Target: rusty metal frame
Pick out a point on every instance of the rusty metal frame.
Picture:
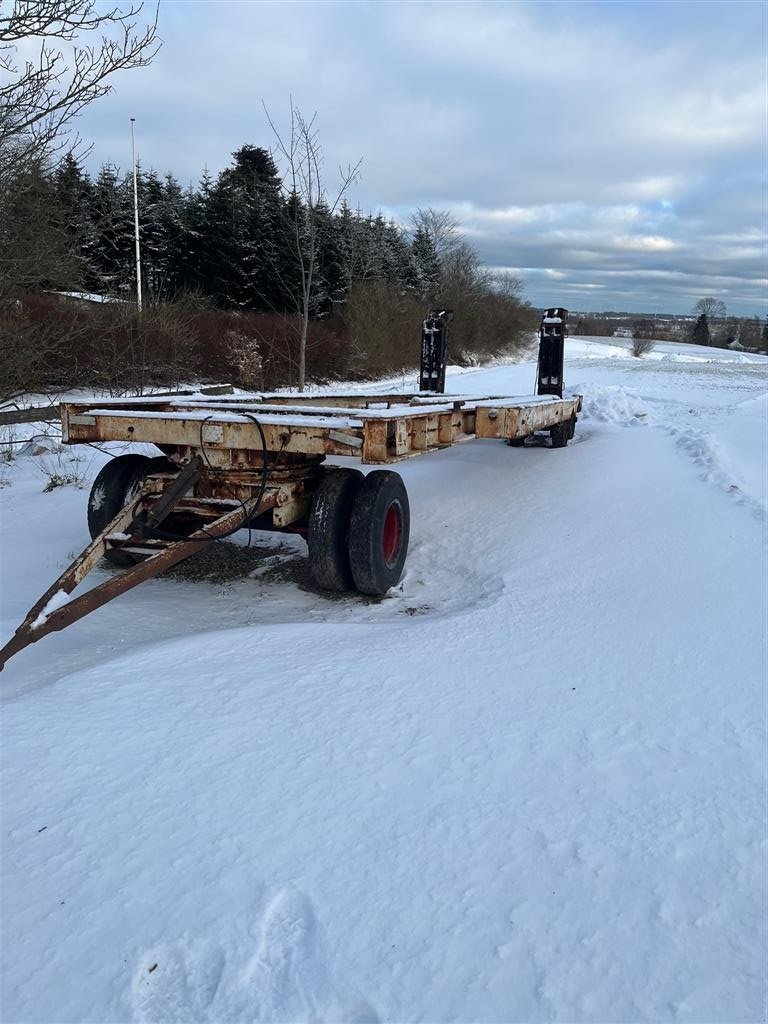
(222, 453)
(38, 623)
(380, 433)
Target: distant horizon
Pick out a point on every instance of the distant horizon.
(659, 314)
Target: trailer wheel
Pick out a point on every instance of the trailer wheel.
(378, 533)
(113, 488)
(560, 434)
(328, 532)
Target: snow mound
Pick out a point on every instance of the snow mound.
(588, 347)
(612, 404)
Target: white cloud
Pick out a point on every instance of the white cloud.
(646, 243)
(601, 135)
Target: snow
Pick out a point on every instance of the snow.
(59, 599)
(89, 296)
(305, 414)
(528, 785)
(98, 496)
(223, 416)
(611, 404)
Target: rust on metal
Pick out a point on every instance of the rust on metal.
(377, 429)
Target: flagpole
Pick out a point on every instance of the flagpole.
(136, 216)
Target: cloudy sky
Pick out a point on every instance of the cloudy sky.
(612, 154)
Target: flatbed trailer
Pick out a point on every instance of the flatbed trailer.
(258, 461)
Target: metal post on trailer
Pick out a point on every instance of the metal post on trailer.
(549, 371)
(434, 350)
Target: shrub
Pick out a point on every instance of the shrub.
(641, 346)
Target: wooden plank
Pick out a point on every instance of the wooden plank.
(424, 432)
(445, 426)
(402, 436)
(37, 414)
(375, 441)
(231, 439)
(167, 431)
(524, 419)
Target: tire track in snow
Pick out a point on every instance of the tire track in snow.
(621, 406)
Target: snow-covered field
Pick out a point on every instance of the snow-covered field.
(530, 785)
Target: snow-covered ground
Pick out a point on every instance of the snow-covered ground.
(529, 785)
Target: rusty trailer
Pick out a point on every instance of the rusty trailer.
(257, 461)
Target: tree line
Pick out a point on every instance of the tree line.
(709, 324)
(227, 240)
(230, 244)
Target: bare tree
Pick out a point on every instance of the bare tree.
(715, 311)
(40, 97)
(442, 227)
(711, 306)
(308, 202)
(505, 283)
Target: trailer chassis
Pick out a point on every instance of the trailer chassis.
(258, 461)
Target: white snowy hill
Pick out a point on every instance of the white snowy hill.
(528, 785)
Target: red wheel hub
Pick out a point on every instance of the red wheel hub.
(392, 534)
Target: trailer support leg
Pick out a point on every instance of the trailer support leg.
(549, 373)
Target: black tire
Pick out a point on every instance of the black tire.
(560, 434)
(378, 533)
(517, 442)
(328, 533)
(113, 488)
(572, 427)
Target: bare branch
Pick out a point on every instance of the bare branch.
(39, 100)
(303, 159)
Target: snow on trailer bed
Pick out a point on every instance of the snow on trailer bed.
(377, 428)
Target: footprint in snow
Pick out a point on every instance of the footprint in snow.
(286, 978)
(177, 983)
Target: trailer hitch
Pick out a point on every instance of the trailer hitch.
(173, 493)
(53, 611)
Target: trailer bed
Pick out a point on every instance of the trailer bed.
(378, 429)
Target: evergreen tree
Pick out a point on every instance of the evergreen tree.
(700, 334)
(220, 257)
(192, 251)
(424, 271)
(329, 285)
(243, 251)
(171, 222)
(112, 258)
(154, 244)
(73, 191)
(396, 256)
(35, 246)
